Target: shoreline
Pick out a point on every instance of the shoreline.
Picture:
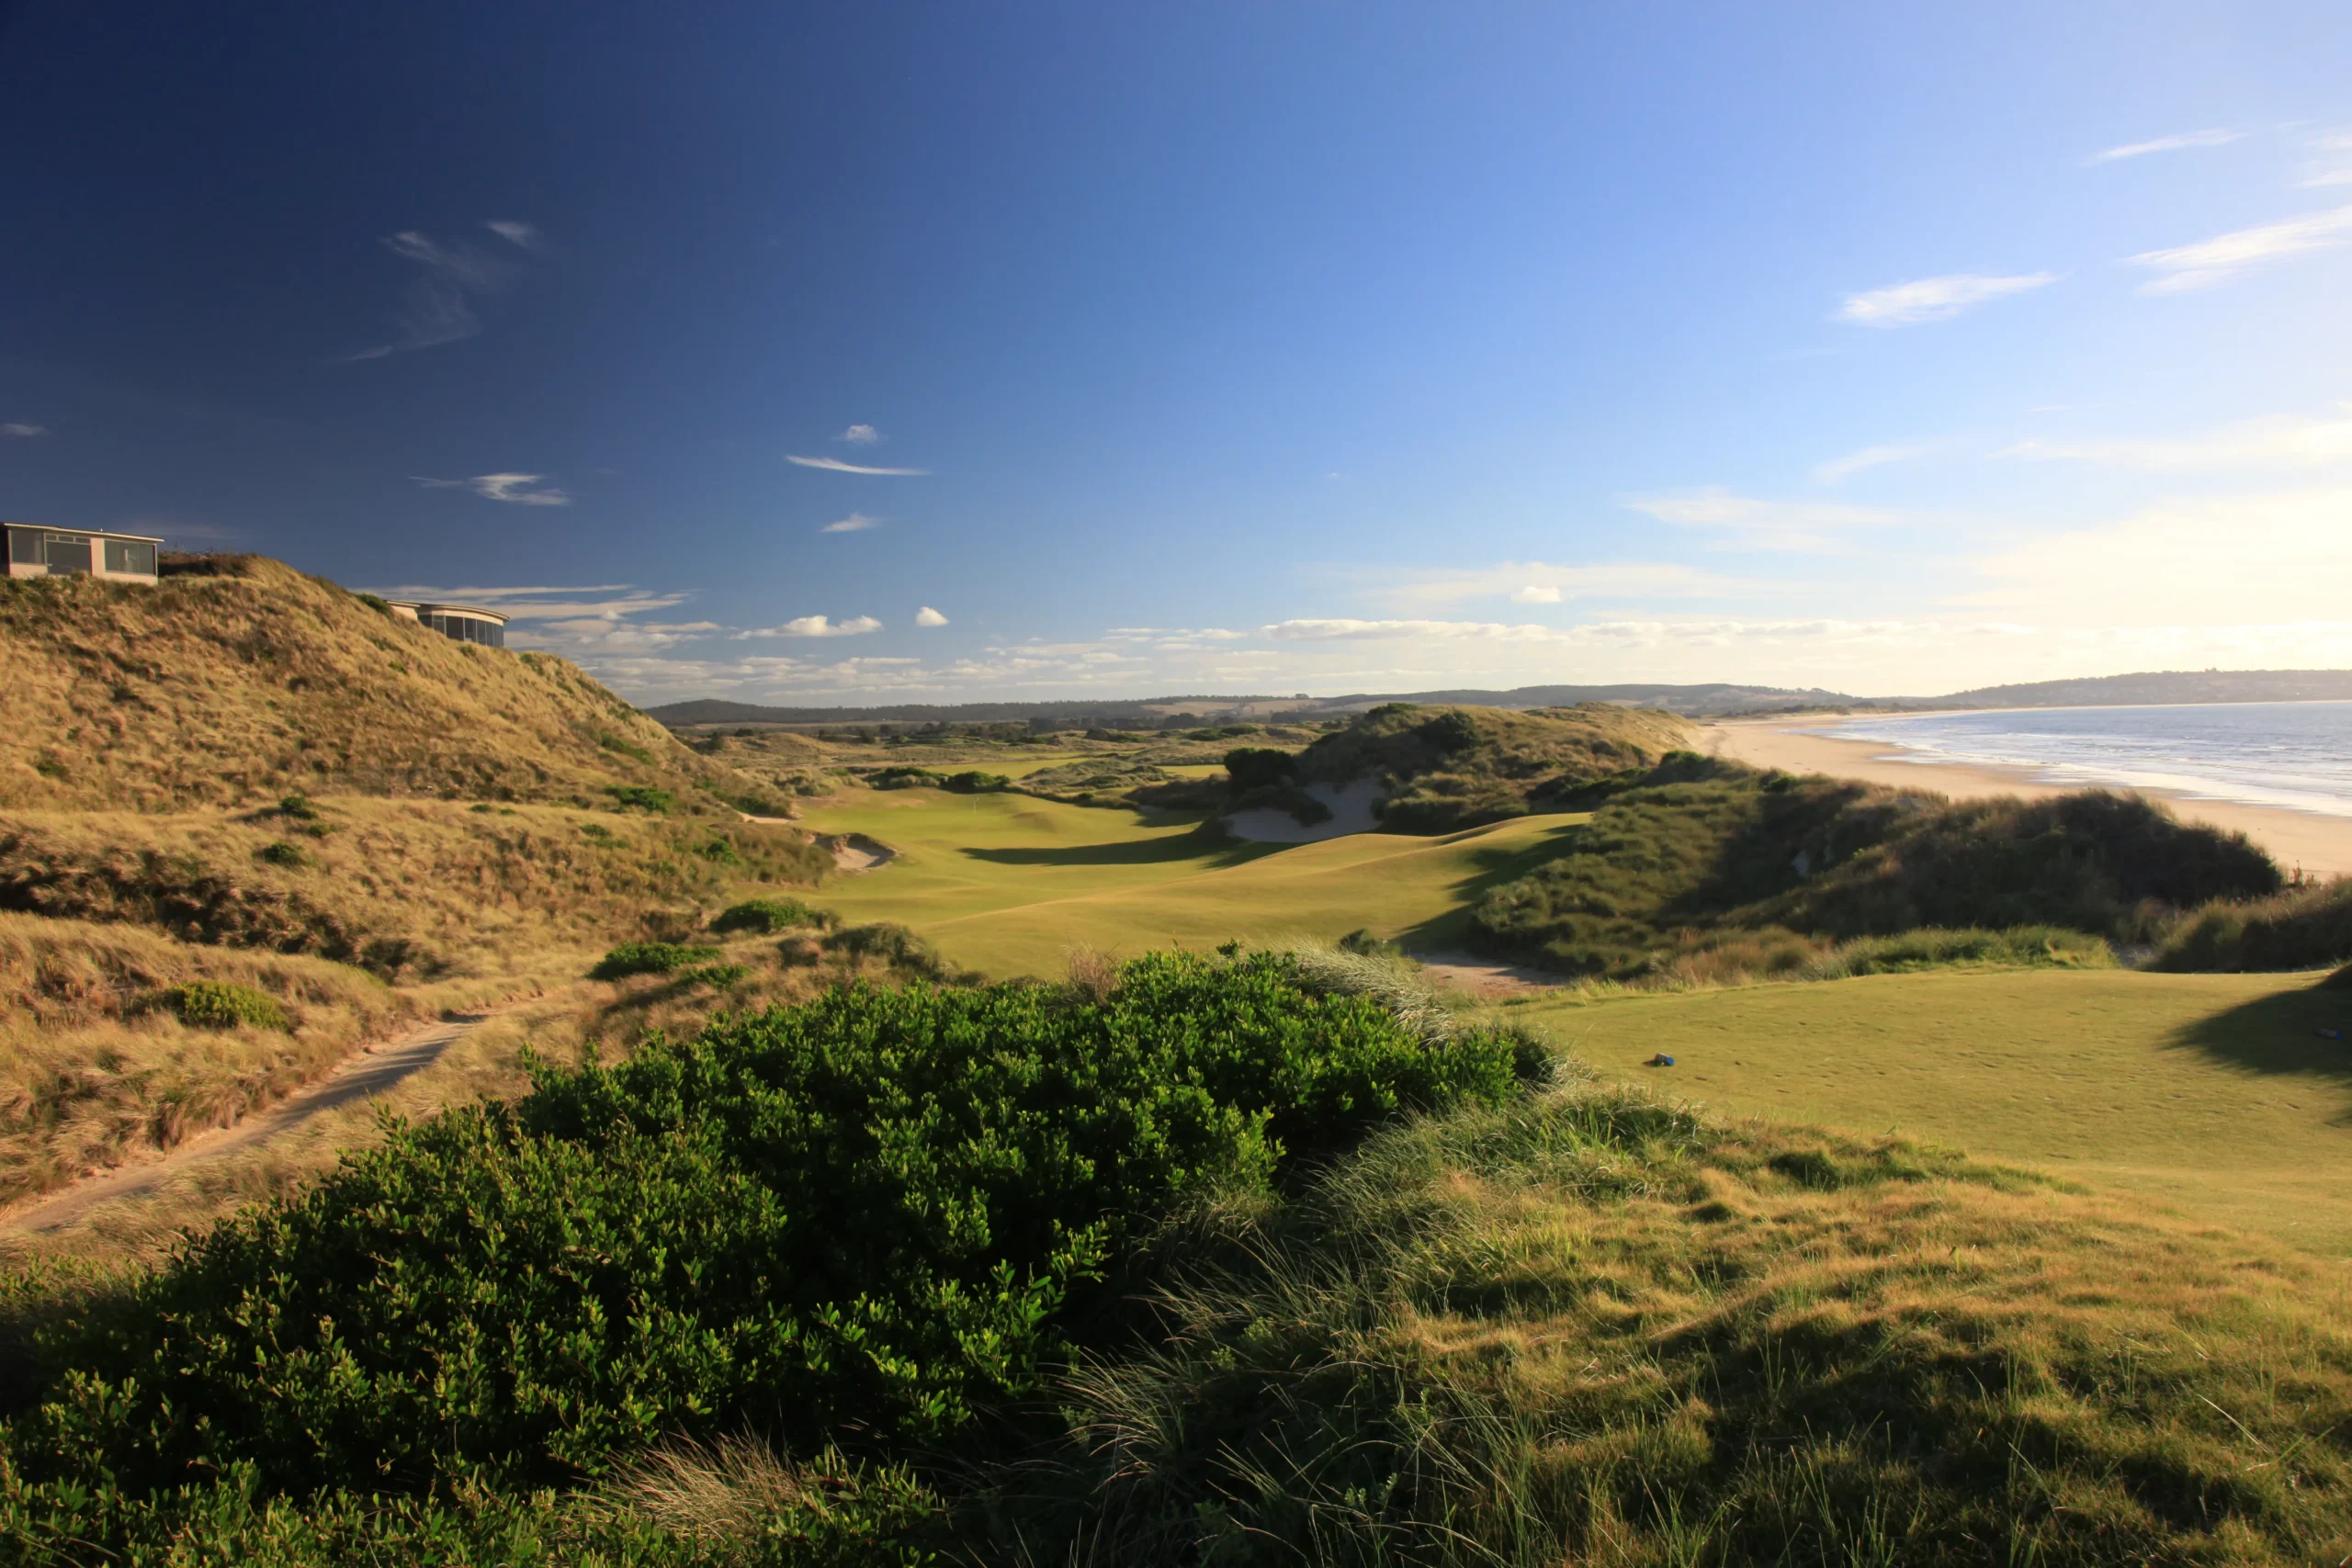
(2316, 843)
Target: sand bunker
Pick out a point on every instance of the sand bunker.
(1350, 806)
(855, 852)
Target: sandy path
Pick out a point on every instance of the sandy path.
(1485, 976)
(2321, 845)
(367, 1072)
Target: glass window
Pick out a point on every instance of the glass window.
(25, 546)
(69, 553)
(130, 555)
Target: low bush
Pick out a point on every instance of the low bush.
(868, 1216)
(223, 1004)
(648, 958)
(975, 783)
(291, 856)
(2302, 928)
(720, 976)
(893, 944)
(642, 797)
(1929, 948)
(765, 917)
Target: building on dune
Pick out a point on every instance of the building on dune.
(462, 622)
(35, 551)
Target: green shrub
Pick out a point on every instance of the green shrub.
(720, 976)
(648, 958)
(300, 807)
(597, 834)
(765, 917)
(374, 603)
(1259, 767)
(975, 783)
(291, 856)
(903, 778)
(892, 943)
(1929, 948)
(873, 1211)
(621, 748)
(642, 797)
(718, 852)
(221, 1004)
(2302, 928)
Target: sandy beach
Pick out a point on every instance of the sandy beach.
(2321, 845)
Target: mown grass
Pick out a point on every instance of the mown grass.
(2215, 1095)
(1007, 884)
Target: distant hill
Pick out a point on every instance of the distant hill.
(1708, 699)
(1700, 701)
(2158, 687)
(251, 681)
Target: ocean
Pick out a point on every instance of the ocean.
(2292, 754)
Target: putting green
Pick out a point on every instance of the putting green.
(1008, 884)
(2216, 1094)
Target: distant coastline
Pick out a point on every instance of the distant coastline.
(2319, 843)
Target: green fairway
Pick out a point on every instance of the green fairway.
(2214, 1093)
(1007, 884)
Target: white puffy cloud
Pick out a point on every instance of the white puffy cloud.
(860, 435)
(927, 616)
(818, 625)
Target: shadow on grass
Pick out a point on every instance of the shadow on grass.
(2280, 1033)
(1497, 865)
(1212, 856)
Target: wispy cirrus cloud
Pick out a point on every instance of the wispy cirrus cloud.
(513, 489)
(2222, 257)
(927, 616)
(24, 431)
(2215, 136)
(855, 522)
(2275, 440)
(836, 466)
(2333, 164)
(1935, 299)
(1544, 582)
(1751, 523)
(452, 275)
(1837, 471)
(816, 626)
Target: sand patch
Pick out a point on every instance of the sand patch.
(855, 852)
(1350, 806)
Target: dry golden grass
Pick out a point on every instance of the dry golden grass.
(92, 1069)
(570, 1021)
(407, 888)
(230, 688)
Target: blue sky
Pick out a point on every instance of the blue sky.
(921, 352)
